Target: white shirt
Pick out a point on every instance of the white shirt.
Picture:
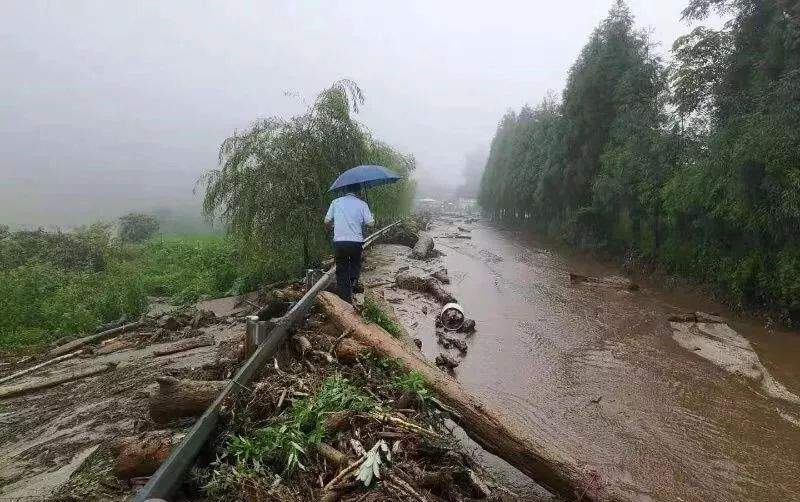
(349, 215)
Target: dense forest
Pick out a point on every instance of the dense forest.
(693, 164)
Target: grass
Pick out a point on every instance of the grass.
(413, 382)
(45, 296)
(283, 445)
(373, 313)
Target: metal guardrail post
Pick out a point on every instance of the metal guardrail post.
(170, 474)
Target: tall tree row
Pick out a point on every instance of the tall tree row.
(695, 164)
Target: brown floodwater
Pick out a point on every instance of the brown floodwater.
(597, 372)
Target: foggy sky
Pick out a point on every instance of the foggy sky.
(111, 106)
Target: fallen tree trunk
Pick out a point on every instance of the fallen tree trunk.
(541, 460)
(191, 343)
(80, 342)
(40, 365)
(611, 282)
(430, 285)
(176, 398)
(141, 455)
(423, 247)
(52, 382)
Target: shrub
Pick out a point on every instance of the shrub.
(137, 227)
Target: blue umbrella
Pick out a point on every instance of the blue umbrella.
(366, 176)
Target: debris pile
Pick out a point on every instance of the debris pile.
(326, 421)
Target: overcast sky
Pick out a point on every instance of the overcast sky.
(108, 106)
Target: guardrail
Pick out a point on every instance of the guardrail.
(171, 472)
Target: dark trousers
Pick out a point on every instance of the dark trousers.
(348, 267)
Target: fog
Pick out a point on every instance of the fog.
(114, 106)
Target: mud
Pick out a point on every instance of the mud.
(46, 435)
(671, 414)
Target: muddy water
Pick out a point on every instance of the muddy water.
(597, 372)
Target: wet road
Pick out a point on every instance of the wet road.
(598, 372)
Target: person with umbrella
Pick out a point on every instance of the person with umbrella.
(349, 215)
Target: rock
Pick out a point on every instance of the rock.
(441, 274)
(446, 362)
(418, 343)
(423, 247)
(447, 342)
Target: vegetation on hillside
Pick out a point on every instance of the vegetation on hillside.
(695, 165)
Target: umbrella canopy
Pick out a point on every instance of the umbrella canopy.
(366, 176)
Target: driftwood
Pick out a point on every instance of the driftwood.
(697, 317)
(540, 459)
(429, 285)
(176, 398)
(52, 382)
(332, 455)
(40, 365)
(423, 247)
(610, 282)
(80, 342)
(183, 345)
(141, 455)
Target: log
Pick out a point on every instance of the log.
(423, 247)
(176, 398)
(429, 285)
(349, 350)
(141, 455)
(40, 365)
(80, 342)
(611, 282)
(183, 345)
(538, 458)
(332, 455)
(52, 382)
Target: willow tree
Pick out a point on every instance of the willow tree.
(271, 185)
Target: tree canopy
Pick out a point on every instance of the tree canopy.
(271, 186)
(695, 165)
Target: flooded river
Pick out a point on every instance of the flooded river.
(598, 372)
